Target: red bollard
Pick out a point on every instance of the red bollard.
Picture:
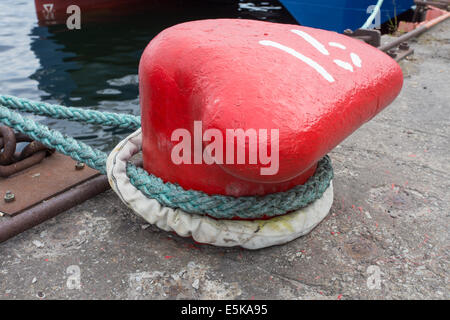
(228, 79)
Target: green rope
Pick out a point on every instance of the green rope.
(225, 207)
(77, 150)
(167, 194)
(122, 121)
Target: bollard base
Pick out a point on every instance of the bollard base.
(253, 234)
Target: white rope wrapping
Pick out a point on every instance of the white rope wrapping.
(254, 234)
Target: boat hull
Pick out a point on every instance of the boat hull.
(52, 12)
(338, 15)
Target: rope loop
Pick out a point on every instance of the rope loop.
(166, 193)
(226, 207)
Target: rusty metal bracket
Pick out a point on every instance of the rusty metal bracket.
(398, 49)
(11, 226)
(370, 36)
(35, 186)
(373, 37)
(12, 162)
(401, 52)
(40, 182)
(6, 171)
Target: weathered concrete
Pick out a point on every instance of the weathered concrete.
(391, 213)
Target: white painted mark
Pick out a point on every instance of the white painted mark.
(337, 45)
(343, 64)
(48, 7)
(321, 70)
(48, 12)
(313, 41)
(356, 59)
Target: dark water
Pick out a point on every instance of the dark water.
(96, 67)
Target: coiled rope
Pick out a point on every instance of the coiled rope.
(166, 193)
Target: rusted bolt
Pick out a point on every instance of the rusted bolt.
(79, 166)
(348, 32)
(403, 46)
(392, 53)
(9, 196)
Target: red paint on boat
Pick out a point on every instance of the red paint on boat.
(50, 12)
(315, 86)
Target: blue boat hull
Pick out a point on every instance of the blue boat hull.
(338, 15)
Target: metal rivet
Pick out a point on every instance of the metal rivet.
(403, 46)
(9, 196)
(79, 166)
(348, 32)
(392, 53)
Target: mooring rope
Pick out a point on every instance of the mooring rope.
(123, 121)
(166, 193)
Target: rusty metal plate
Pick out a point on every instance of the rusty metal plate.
(55, 174)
